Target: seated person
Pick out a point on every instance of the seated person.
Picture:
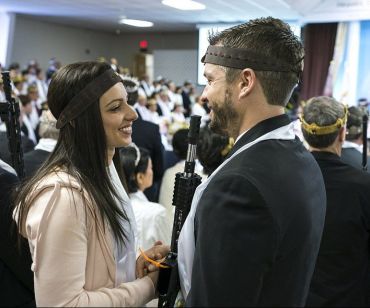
(151, 219)
(48, 139)
(16, 277)
(180, 148)
(352, 146)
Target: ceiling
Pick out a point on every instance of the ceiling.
(105, 14)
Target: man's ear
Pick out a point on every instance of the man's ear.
(342, 134)
(247, 82)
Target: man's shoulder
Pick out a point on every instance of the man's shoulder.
(7, 177)
(269, 153)
(36, 153)
(357, 175)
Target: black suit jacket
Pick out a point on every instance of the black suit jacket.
(258, 225)
(352, 157)
(16, 277)
(33, 161)
(27, 145)
(342, 273)
(146, 134)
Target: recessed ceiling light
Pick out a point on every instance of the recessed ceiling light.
(186, 5)
(136, 23)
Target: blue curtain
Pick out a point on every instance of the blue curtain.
(363, 80)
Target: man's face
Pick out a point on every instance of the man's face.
(219, 97)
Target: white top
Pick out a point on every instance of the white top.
(34, 116)
(166, 109)
(46, 144)
(125, 255)
(7, 167)
(151, 221)
(168, 186)
(31, 132)
(186, 244)
(143, 111)
(199, 110)
(352, 145)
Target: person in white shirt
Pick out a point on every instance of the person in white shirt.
(141, 108)
(199, 110)
(165, 104)
(152, 107)
(151, 218)
(42, 87)
(180, 148)
(146, 85)
(28, 117)
(33, 95)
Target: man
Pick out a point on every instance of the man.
(141, 108)
(342, 273)
(352, 146)
(186, 91)
(49, 135)
(16, 277)
(257, 227)
(146, 135)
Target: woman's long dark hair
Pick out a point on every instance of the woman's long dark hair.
(81, 149)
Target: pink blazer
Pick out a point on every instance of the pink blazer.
(73, 260)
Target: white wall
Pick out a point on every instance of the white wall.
(177, 65)
(39, 40)
(42, 41)
(6, 35)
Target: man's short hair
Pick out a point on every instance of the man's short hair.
(180, 142)
(322, 112)
(269, 37)
(354, 123)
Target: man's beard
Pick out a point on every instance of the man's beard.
(225, 118)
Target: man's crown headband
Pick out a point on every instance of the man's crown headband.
(87, 96)
(314, 129)
(243, 58)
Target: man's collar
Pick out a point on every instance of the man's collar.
(259, 130)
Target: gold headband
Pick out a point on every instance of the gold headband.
(314, 129)
(228, 147)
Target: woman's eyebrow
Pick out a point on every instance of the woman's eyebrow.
(115, 100)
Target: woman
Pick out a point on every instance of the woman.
(151, 217)
(75, 211)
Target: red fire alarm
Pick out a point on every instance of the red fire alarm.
(143, 45)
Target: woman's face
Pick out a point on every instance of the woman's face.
(117, 116)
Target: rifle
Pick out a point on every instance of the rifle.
(185, 184)
(364, 141)
(9, 113)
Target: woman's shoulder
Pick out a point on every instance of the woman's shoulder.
(154, 208)
(61, 177)
(60, 184)
(59, 194)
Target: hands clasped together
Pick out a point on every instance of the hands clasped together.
(146, 268)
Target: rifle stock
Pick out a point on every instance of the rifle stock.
(365, 118)
(185, 186)
(9, 113)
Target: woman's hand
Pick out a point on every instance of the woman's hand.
(143, 267)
